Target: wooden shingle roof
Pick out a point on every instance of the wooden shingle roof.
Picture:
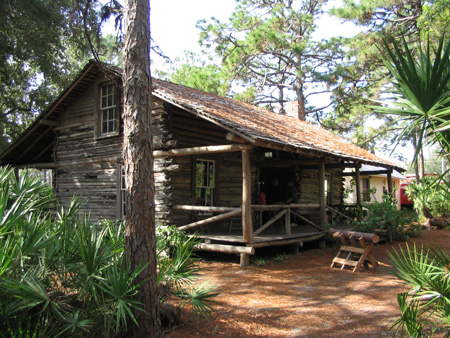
(264, 127)
(256, 125)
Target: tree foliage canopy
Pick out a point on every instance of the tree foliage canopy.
(267, 47)
(42, 44)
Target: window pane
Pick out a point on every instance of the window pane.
(204, 181)
(108, 109)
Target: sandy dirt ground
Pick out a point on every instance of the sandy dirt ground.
(301, 295)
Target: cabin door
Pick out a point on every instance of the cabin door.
(279, 185)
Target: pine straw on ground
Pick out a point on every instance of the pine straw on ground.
(301, 295)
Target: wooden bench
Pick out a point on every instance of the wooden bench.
(356, 249)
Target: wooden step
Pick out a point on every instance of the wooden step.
(352, 249)
(344, 261)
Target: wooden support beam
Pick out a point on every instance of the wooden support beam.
(312, 237)
(50, 165)
(245, 260)
(287, 221)
(332, 166)
(273, 163)
(203, 208)
(210, 220)
(270, 222)
(247, 227)
(233, 249)
(358, 192)
(322, 201)
(389, 178)
(202, 150)
(305, 220)
(367, 173)
(339, 213)
(285, 206)
(234, 138)
(355, 235)
(32, 144)
(47, 122)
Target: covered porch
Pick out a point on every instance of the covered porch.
(268, 225)
(242, 229)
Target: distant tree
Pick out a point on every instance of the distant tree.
(435, 20)
(191, 71)
(140, 241)
(414, 20)
(42, 45)
(267, 48)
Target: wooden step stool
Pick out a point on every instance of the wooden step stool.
(355, 249)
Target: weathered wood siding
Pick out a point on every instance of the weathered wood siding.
(309, 186)
(185, 130)
(86, 166)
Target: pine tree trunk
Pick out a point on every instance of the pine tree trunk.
(138, 162)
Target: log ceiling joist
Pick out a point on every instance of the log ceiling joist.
(202, 150)
(372, 172)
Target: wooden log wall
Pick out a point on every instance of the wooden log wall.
(174, 176)
(86, 167)
(308, 181)
(163, 167)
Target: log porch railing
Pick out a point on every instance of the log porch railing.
(277, 212)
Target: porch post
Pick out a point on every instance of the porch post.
(247, 228)
(389, 178)
(358, 191)
(322, 202)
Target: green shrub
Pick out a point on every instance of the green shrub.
(430, 196)
(178, 268)
(62, 276)
(59, 274)
(385, 215)
(426, 307)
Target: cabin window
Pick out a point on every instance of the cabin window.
(204, 181)
(108, 109)
(365, 189)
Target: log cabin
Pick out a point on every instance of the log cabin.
(239, 176)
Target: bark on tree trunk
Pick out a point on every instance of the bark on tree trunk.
(140, 242)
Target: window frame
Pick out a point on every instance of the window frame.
(212, 188)
(100, 109)
(365, 189)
